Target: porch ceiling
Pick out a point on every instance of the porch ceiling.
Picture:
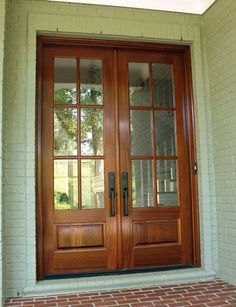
(184, 6)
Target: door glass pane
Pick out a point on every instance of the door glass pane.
(65, 184)
(141, 133)
(167, 193)
(65, 131)
(165, 133)
(163, 85)
(92, 179)
(142, 183)
(64, 81)
(91, 91)
(91, 131)
(139, 92)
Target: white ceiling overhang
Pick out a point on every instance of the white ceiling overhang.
(183, 6)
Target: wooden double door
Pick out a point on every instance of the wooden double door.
(115, 180)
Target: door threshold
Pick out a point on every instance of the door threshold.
(116, 281)
(119, 272)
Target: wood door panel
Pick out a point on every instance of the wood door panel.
(87, 222)
(175, 233)
(75, 236)
(156, 256)
(155, 232)
(82, 260)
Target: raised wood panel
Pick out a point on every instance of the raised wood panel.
(76, 236)
(152, 232)
(156, 256)
(82, 261)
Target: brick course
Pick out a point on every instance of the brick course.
(191, 294)
(2, 36)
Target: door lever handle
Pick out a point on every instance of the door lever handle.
(125, 190)
(111, 188)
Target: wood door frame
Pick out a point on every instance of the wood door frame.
(43, 41)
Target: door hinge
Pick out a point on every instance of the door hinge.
(195, 167)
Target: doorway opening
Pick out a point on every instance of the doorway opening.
(116, 187)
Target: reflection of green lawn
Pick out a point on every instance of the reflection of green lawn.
(62, 206)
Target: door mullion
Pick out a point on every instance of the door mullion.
(78, 137)
(118, 162)
(153, 138)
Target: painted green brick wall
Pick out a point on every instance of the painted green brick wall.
(219, 38)
(26, 18)
(2, 34)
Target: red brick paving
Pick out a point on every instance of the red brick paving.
(198, 294)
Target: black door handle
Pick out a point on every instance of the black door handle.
(111, 188)
(125, 189)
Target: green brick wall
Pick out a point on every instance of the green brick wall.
(219, 41)
(2, 34)
(26, 18)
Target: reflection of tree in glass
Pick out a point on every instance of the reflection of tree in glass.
(65, 135)
(92, 120)
(92, 138)
(92, 131)
(64, 95)
(65, 122)
(91, 95)
(65, 125)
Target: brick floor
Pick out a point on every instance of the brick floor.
(208, 293)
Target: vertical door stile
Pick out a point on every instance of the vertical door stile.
(126, 239)
(47, 172)
(184, 173)
(117, 162)
(78, 135)
(153, 135)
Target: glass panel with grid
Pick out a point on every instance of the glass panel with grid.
(153, 135)
(78, 134)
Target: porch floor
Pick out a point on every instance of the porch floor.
(198, 294)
